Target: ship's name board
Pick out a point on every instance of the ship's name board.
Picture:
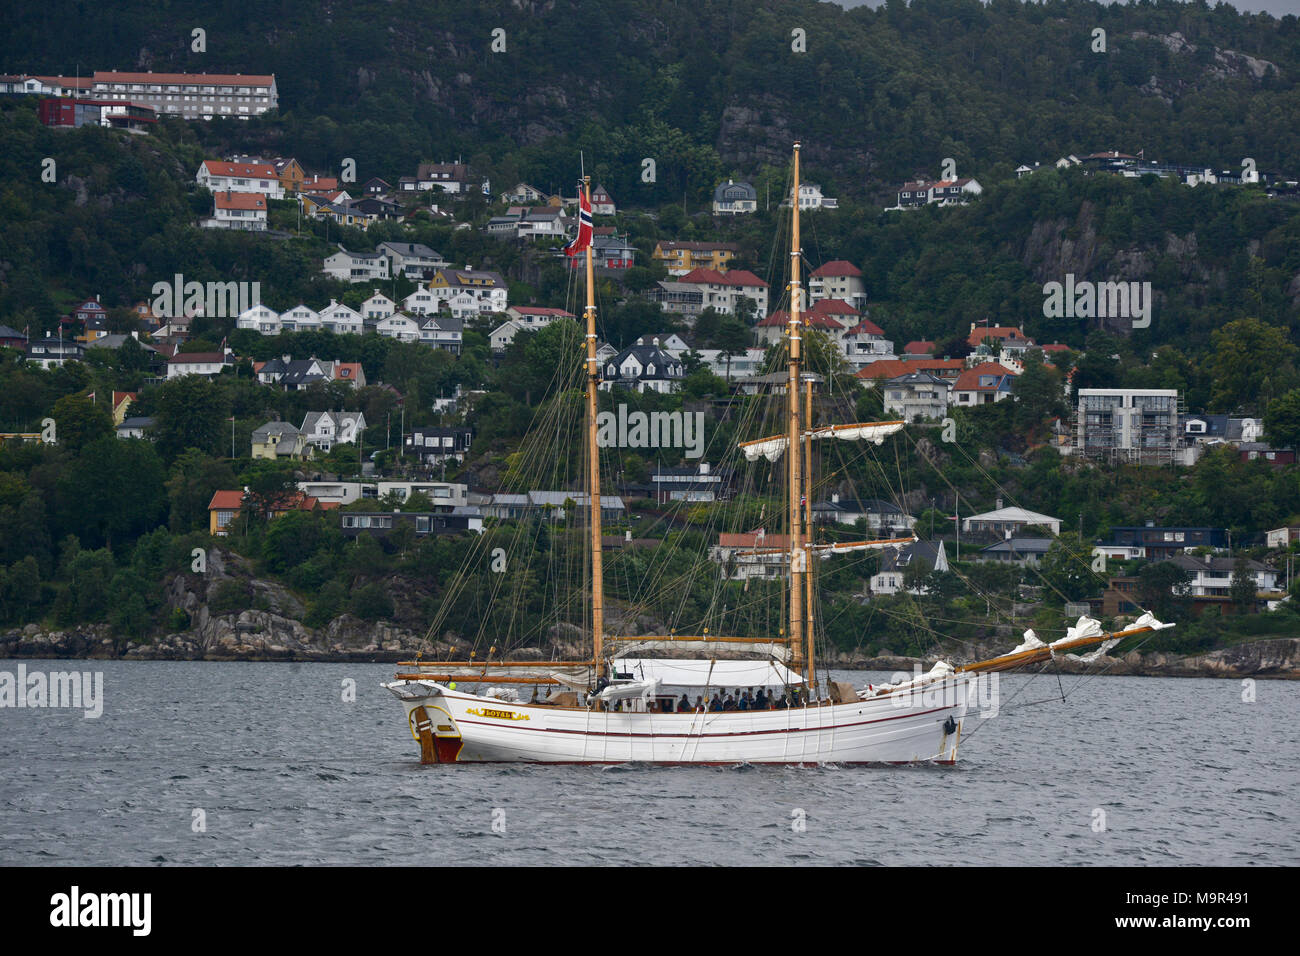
(498, 714)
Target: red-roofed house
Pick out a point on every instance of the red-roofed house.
(838, 279)
(753, 554)
(240, 178)
(350, 372)
(920, 348)
(233, 210)
(885, 369)
(865, 343)
(983, 385)
(1001, 334)
(225, 505)
(722, 291)
(770, 329)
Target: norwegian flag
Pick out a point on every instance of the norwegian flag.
(582, 240)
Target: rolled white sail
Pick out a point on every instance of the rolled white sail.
(863, 431)
(772, 448)
(769, 448)
(845, 547)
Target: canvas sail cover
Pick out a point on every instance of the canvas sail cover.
(704, 646)
(701, 673)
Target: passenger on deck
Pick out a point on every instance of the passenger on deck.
(715, 704)
(743, 702)
(729, 703)
(699, 705)
(684, 705)
(760, 700)
(781, 703)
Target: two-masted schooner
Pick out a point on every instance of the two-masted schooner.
(620, 705)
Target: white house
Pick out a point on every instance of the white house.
(838, 279)
(723, 291)
(734, 199)
(1005, 522)
(300, 319)
(198, 363)
(414, 260)
(421, 302)
(260, 319)
(645, 368)
(378, 306)
(356, 266)
(240, 178)
(324, 429)
(917, 395)
(341, 320)
(231, 210)
(443, 333)
(400, 327)
(1211, 576)
(810, 197)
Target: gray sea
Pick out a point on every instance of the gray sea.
(239, 764)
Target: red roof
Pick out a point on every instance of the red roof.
(892, 368)
(834, 307)
(216, 167)
(978, 336)
(969, 380)
(226, 501)
(837, 267)
(781, 318)
(868, 327)
(350, 371)
(742, 277)
(231, 200)
(320, 184)
(752, 539)
(198, 79)
(736, 277)
(919, 347)
(1054, 347)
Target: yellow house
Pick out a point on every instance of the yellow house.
(684, 257)
(280, 440)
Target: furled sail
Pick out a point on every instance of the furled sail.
(772, 448)
(710, 647)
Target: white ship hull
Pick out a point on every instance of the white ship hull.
(916, 727)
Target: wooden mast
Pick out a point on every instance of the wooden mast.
(793, 469)
(808, 526)
(593, 461)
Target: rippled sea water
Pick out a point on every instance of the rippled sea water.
(285, 772)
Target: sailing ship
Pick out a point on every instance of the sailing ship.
(621, 704)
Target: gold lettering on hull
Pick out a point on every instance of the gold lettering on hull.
(498, 714)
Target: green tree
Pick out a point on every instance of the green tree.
(79, 421)
(1242, 587)
(1252, 363)
(1282, 420)
(193, 479)
(190, 412)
